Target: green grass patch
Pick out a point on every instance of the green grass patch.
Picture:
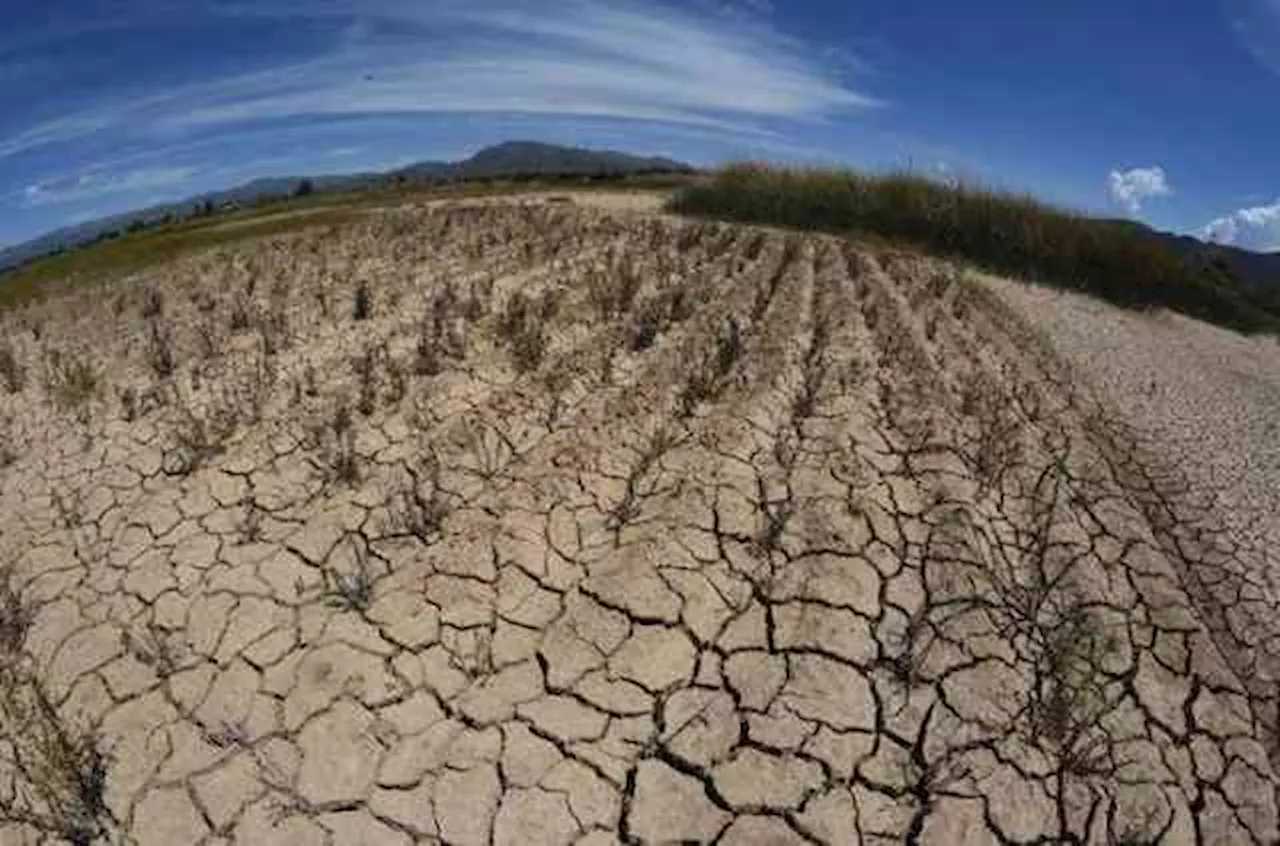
(1010, 234)
(135, 251)
(131, 253)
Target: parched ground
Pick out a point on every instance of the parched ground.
(536, 523)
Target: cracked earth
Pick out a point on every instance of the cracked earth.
(543, 524)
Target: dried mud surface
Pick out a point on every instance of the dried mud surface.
(512, 523)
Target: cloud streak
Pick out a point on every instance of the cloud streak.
(1256, 27)
(643, 62)
(1253, 228)
(1130, 188)
(95, 185)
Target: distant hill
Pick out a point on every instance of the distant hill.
(510, 159)
(1256, 274)
(529, 157)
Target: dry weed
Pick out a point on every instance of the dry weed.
(201, 433)
(362, 302)
(333, 440)
(16, 616)
(56, 771)
(522, 329)
(161, 355)
(351, 589)
(413, 512)
(13, 373)
(70, 379)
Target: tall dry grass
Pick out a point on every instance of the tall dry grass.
(1007, 233)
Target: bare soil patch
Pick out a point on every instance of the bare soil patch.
(528, 522)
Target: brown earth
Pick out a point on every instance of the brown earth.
(542, 523)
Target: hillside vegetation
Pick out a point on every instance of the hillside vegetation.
(1007, 233)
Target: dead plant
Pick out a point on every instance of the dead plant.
(638, 482)
(13, 374)
(351, 589)
(361, 301)
(814, 373)
(273, 331)
(8, 443)
(70, 379)
(711, 377)
(201, 433)
(365, 366)
(57, 770)
(160, 351)
(413, 512)
(334, 442)
(241, 313)
(16, 616)
(156, 647)
(522, 330)
(152, 303)
(250, 524)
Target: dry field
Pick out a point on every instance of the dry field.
(538, 523)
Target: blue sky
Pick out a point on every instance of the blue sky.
(1163, 111)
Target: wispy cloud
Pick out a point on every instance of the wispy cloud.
(1254, 228)
(96, 185)
(648, 62)
(1256, 27)
(1130, 188)
(62, 129)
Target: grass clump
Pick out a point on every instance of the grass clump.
(351, 588)
(13, 375)
(56, 771)
(16, 615)
(361, 302)
(201, 433)
(710, 379)
(333, 439)
(417, 514)
(161, 354)
(522, 328)
(71, 380)
(1007, 233)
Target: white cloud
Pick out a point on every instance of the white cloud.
(94, 185)
(640, 61)
(1130, 188)
(1254, 228)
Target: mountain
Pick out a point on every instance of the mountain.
(80, 234)
(509, 159)
(532, 158)
(521, 157)
(1256, 275)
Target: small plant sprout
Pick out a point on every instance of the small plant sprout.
(362, 302)
(351, 587)
(413, 512)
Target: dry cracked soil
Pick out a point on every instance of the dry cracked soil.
(537, 523)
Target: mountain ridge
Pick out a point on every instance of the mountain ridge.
(509, 158)
(1257, 273)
